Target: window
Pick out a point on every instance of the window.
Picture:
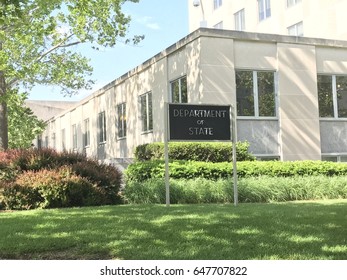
(146, 112)
(46, 142)
(292, 2)
(332, 96)
(63, 142)
(296, 29)
(53, 140)
(219, 25)
(264, 9)
(217, 4)
(74, 136)
(335, 158)
(179, 90)
(122, 120)
(86, 133)
(240, 20)
(102, 127)
(255, 93)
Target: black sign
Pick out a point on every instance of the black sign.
(199, 122)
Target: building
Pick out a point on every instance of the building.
(309, 18)
(290, 93)
(45, 110)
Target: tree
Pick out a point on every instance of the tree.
(23, 125)
(37, 39)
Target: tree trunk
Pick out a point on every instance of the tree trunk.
(3, 114)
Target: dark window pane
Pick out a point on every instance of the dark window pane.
(150, 113)
(184, 92)
(244, 93)
(325, 96)
(341, 90)
(175, 91)
(144, 112)
(266, 94)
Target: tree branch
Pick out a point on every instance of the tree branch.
(14, 81)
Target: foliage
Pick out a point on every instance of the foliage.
(197, 151)
(106, 177)
(23, 125)
(50, 189)
(253, 189)
(141, 171)
(45, 178)
(38, 39)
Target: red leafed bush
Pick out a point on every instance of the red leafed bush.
(46, 179)
(51, 189)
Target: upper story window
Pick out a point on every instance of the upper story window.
(239, 18)
(122, 120)
(102, 127)
(179, 92)
(264, 8)
(332, 96)
(296, 29)
(255, 93)
(292, 2)
(86, 133)
(146, 112)
(219, 25)
(217, 4)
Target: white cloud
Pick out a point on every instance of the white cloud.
(148, 22)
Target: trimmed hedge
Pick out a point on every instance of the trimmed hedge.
(141, 171)
(255, 189)
(196, 151)
(46, 179)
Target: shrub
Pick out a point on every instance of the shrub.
(37, 159)
(108, 178)
(140, 171)
(24, 172)
(196, 151)
(51, 189)
(253, 189)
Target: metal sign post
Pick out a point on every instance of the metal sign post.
(166, 154)
(234, 137)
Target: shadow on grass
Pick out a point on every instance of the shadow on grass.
(249, 231)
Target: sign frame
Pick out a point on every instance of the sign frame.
(199, 122)
(167, 138)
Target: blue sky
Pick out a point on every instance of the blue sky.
(163, 22)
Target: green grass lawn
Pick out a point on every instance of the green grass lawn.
(297, 230)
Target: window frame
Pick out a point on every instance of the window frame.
(121, 121)
(240, 20)
(63, 139)
(296, 29)
(146, 112)
(86, 133)
(102, 128)
(74, 136)
(217, 4)
(172, 83)
(291, 3)
(334, 96)
(218, 25)
(255, 91)
(53, 140)
(264, 9)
